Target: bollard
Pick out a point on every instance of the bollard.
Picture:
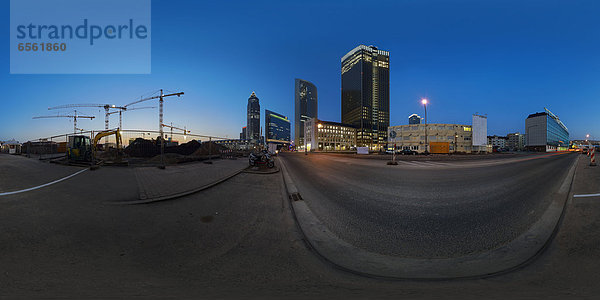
(593, 158)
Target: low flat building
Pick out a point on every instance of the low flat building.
(11, 147)
(515, 141)
(328, 136)
(441, 138)
(546, 133)
(497, 142)
(235, 144)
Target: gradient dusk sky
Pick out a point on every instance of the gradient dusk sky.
(506, 59)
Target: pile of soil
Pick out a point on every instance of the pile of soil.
(184, 149)
(143, 148)
(150, 148)
(214, 149)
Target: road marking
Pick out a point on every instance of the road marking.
(43, 185)
(586, 195)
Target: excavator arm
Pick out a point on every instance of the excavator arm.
(106, 133)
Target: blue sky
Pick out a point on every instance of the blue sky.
(506, 59)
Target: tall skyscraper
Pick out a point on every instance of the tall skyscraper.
(306, 108)
(366, 94)
(243, 134)
(277, 128)
(253, 126)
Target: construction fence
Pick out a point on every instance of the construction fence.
(145, 144)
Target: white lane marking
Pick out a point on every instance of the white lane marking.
(586, 195)
(43, 185)
(412, 163)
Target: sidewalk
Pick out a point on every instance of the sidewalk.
(573, 259)
(155, 184)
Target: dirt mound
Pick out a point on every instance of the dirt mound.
(214, 149)
(184, 149)
(150, 148)
(143, 148)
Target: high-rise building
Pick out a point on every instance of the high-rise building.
(243, 134)
(277, 128)
(253, 126)
(545, 132)
(414, 119)
(366, 94)
(305, 108)
(480, 141)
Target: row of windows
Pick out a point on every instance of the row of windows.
(432, 127)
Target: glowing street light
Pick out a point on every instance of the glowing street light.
(424, 102)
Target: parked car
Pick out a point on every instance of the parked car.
(408, 152)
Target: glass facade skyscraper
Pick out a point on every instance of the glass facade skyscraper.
(306, 102)
(545, 132)
(253, 125)
(366, 94)
(277, 128)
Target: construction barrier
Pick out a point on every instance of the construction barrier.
(593, 158)
(228, 153)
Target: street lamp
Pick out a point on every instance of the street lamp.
(424, 102)
(455, 141)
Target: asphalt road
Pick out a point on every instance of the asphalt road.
(236, 240)
(428, 209)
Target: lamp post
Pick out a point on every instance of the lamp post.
(424, 102)
(455, 141)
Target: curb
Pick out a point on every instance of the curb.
(181, 194)
(512, 256)
(273, 171)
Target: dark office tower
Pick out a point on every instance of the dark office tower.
(366, 94)
(253, 126)
(243, 134)
(306, 108)
(414, 119)
(277, 128)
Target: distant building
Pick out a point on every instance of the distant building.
(366, 94)
(328, 136)
(515, 141)
(414, 119)
(244, 133)
(277, 128)
(497, 142)
(448, 138)
(306, 107)
(233, 144)
(480, 142)
(11, 147)
(545, 132)
(253, 125)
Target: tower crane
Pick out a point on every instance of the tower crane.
(106, 107)
(122, 109)
(74, 116)
(160, 119)
(185, 131)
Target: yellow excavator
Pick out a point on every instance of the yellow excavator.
(82, 148)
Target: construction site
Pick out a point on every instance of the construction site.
(167, 145)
